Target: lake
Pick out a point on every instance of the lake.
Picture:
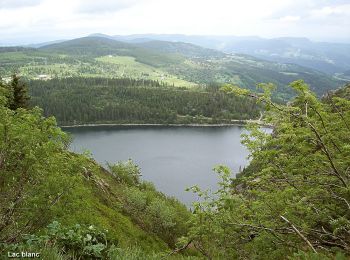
(173, 158)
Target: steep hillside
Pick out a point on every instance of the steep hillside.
(43, 187)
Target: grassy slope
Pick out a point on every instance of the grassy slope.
(126, 66)
(98, 199)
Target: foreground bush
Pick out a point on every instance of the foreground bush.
(294, 198)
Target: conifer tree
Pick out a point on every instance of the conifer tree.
(20, 96)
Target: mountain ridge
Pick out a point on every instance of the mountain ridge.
(327, 57)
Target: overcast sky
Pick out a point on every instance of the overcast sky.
(29, 21)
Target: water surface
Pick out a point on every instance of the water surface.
(173, 158)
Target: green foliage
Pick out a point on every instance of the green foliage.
(35, 173)
(116, 253)
(293, 199)
(78, 240)
(5, 94)
(14, 94)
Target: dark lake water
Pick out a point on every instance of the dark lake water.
(173, 158)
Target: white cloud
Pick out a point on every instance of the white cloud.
(289, 18)
(332, 10)
(105, 6)
(7, 4)
(38, 20)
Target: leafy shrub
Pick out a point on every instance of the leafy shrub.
(126, 172)
(162, 215)
(152, 210)
(79, 240)
(136, 200)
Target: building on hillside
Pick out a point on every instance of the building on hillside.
(43, 77)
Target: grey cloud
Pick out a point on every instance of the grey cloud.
(104, 6)
(12, 4)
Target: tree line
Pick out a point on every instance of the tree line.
(124, 100)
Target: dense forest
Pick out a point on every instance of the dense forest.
(125, 100)
(291, 202)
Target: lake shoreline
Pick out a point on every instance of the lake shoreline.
(237, 123)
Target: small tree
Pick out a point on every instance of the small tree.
(20, 96)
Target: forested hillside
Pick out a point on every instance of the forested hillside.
(101, 100)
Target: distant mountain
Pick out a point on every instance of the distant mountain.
(92, 45)
(323, 56)
(331, 58)
(101, 46)
(41, 44)
(101, 35)
(327, 57)
(178, 63)
(105, 44)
